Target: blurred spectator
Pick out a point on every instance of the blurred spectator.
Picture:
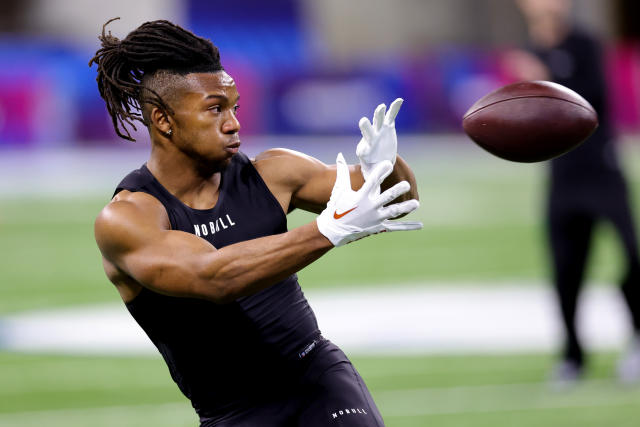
(587, 184)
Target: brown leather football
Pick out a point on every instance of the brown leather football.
(530, 121)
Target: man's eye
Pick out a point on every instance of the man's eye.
(236, 108)
(215, 108)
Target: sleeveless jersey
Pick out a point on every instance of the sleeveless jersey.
(225, 356)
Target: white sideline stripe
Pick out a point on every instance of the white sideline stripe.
(440, 318)
(403, 403)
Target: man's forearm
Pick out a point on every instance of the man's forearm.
(247, 267)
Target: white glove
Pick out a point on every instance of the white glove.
(379, 141)
(351, 215)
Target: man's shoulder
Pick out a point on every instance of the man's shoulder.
(138, 199)
(285, 165)
(285, 157)
(128, 209)
(278, 153)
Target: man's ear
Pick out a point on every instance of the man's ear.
(160, 120)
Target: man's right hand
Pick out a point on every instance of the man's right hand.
(351, 215)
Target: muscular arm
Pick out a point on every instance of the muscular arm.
(301, 181)
(132, 235)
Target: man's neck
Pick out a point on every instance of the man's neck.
(185, 178)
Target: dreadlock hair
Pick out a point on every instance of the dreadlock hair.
(127, 68)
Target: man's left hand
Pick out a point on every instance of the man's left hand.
(379, 141)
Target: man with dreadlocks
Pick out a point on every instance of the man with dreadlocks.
(196, 240)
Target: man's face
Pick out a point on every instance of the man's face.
(205, 122)
(545, 9)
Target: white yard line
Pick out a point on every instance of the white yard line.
(432, 319)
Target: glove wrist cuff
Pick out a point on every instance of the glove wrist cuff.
(326, 230)
(340, 235)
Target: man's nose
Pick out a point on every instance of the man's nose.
(231, 124)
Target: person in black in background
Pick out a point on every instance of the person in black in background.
(196, 240)
(587, 184)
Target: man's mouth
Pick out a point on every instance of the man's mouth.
(233, 147)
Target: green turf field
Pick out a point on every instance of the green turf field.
(482, 223)
(410, 391)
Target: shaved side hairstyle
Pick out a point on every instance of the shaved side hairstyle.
(139, 71)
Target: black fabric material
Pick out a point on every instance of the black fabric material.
(571, 223)
(577, 64)
(331, 393)
(226, 358)
(587, 187)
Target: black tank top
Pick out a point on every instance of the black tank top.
(225, 356)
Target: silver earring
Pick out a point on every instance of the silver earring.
(170, 132)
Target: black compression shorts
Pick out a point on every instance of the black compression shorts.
(331, 393)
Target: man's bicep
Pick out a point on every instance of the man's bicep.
(172, 263)
(314, 194)
(165, 261)
(306, 181)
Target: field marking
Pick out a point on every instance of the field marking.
(432, 319)
(395, 403)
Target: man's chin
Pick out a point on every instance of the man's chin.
(210, 166)
(226, 162)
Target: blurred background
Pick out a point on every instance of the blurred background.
(451, 326)
(294, 61)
